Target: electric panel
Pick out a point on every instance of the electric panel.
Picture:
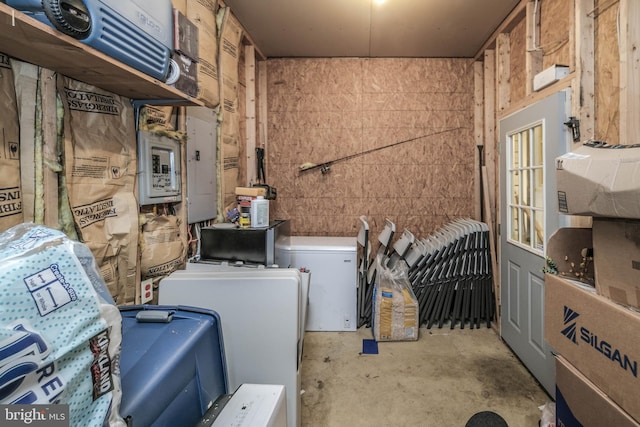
(201, 126)
(158, 169)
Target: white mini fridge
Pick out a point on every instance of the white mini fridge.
(332, 263)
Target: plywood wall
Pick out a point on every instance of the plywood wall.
(324, 109)
(555, 27)
(607, 73)
(518, 80)
(552, 40)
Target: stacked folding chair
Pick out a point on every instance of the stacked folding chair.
(384, 241)
(400, 248)
(364, 252)
(451, 275)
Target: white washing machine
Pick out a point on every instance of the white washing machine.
(253, 405)
(260, 313)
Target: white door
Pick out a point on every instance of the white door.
(530, 140)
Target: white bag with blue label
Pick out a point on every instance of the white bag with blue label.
(60, 332)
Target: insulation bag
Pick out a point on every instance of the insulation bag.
(100, 173)
(10, 185)
(161, 246)
(60, 332)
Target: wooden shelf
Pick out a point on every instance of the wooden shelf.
(29, 40)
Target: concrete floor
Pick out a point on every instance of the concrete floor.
(442, 379)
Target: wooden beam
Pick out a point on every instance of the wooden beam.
(517, 14)
(561, 84)
(49, 147)
(250, 107)
(629, 71)
(533, 57)
(573, 44)
(248, 41)
(478, 83)
(26, 80)
(503, 71)
(495, 276)
(490, 155)
(583, 88)
(184, 206)
(262, 105)
(478, 129)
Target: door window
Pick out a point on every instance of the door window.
(525, 186)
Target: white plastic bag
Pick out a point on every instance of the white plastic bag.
(395, 307)
(60, 332)
(548, 416)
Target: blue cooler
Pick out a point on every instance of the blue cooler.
(138, 33)
(172, 364)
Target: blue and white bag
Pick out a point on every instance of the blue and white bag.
(60, 331)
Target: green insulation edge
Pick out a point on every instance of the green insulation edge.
(38, 204)
(65, 215)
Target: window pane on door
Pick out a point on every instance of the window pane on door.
(515, 151)
(526, 150)
(538, 188)
(515, 188)
(538, 151)
(526, 187)
(526, 183)
(515, 222)
(538, 219)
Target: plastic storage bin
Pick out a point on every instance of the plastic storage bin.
(172, 364)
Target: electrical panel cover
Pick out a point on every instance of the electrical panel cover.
(158, 169)
(201, 124)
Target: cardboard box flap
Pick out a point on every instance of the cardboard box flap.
(599, 182)
(566, 248)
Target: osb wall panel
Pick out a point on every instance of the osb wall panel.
(320, 110)
(555, 24)
(607, 75)
(517, 62)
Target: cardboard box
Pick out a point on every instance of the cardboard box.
(566, 248)
(244, 201)
(579, 403)
(599, 182)
(597, 336)
(180, 5)
(185, 35)
(188, 80)
(245, 195)
(616, 253)
(251, 191)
